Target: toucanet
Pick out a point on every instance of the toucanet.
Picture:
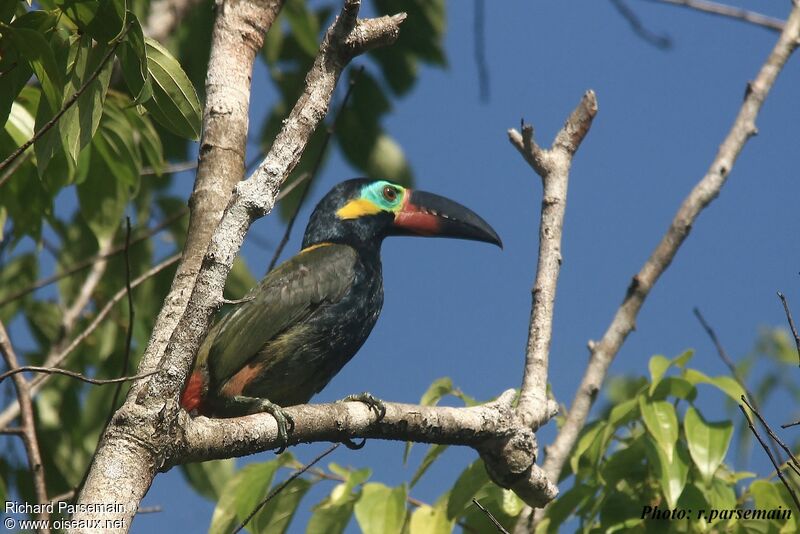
(304, 321)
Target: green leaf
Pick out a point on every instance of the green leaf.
(434, 451)
(16, 73)
(430, 520)
(243, 492)
(113, 174)
(671, 471)
(568, 502)
(133, 59)
(273, 42)
(708, 442)
(623, 413)
(438, 389)
(80, 121)
(726, 384)
(674, 387)
(41, 59)
(16, 273)
(149, 140)
(174, 104)
(721, 495)
(304, 25)
(657, 365)
(469, 482)
(381, 509)
(20, 124)
(209, 478)
(587, 449)
(277, 514)
(627, 463)
(104, 19)
(661, 422)
(332, 515)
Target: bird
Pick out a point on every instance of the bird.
(308, 317)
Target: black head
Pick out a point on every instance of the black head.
(361, 212)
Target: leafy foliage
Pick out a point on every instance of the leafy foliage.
(656, 450)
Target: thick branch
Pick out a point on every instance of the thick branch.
(604, 351)
(479, 427)
(553, 166)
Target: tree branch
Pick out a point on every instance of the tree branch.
(553, 166)
(772, 459)
(72, 374)
(604, 351)
(789, 318)
(480, 427)
(28, 426)
(724, 10)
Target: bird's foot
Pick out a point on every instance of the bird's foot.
(374, 403)
(282, 418)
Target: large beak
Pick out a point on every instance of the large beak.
(426, 214)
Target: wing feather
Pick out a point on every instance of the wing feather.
(286, 296)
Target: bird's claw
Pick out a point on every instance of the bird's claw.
(373, 402)
(283, 419)
(352, 445)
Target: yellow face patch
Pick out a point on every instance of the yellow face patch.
(358, 208)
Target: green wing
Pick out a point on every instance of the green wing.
(285, 297)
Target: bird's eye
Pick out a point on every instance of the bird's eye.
(390, 193)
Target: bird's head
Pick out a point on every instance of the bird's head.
(362, 212)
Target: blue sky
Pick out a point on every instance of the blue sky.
(461, 309)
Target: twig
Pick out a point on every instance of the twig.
(494, 521)
(724, 10)
(37, 383)
(73, 374)
(603, 352)
(131, 315)
(659, 41)
(94, 260)
(285, 483)
(791, 322)
(28, 427)
(553, 166)
(149, 510)
(723, 354)
(66, 105)
(793, 463)
(312, 174)
(771, 458)
(170, 168)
